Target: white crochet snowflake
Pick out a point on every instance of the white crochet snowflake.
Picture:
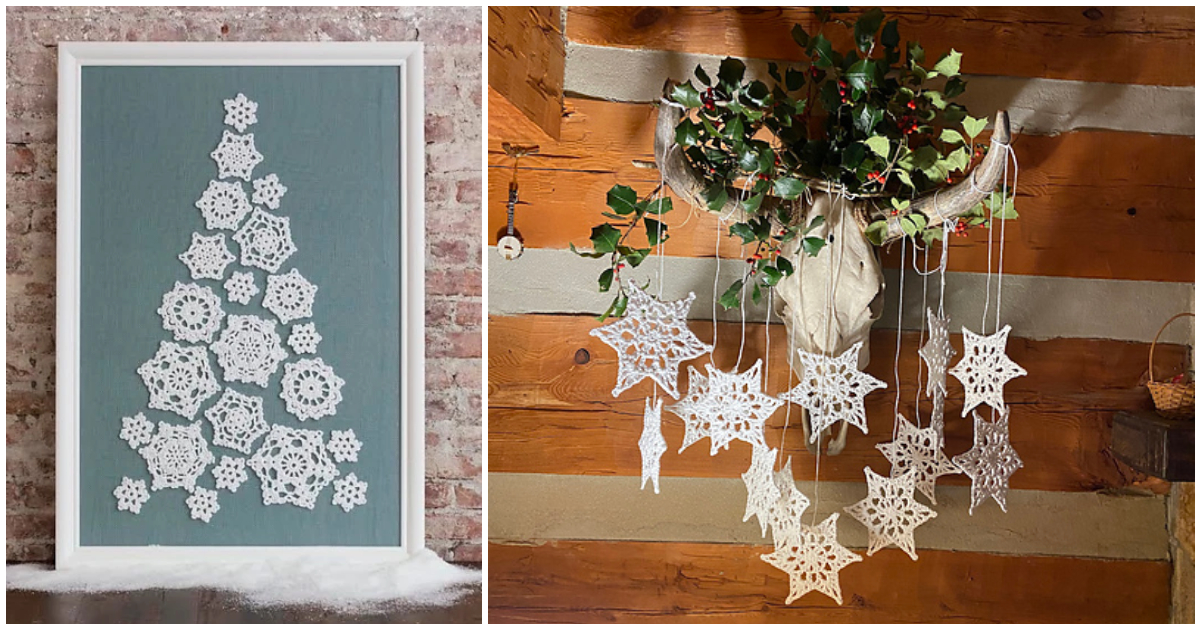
(176, 456)
(304, 338)
(785, 516)
(265, 240)
(651, 340)
(919, 450)
(223, 205)
(651, 444)
(290, 296)
(249, 349)
(344, 446)
(349, 491)
(724, 407)
(991, 461)
(230, 474)
(310, 389)
(240, 287)
(202, 503)
(292, 466)
(937, 353)
(236, 155)
(832, 389)
(136, 430)
(812, 558)
(179, 378)
(191, 312)
(268, 191)
(985, 369)
(762, 493)
(131, 495)
(237, 420)
(207, 256)
(890, 512)
(240, 112)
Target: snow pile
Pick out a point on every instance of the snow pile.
(421, 581)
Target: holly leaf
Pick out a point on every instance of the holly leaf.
(948, 66)
(729, 74)
(879, 145)
(771, 275)
(853, 156)
(800, 36)
(751, 204)
(655, 230)
(958, 159)
(876, 232)
(717, 196)
(866, 118)
(866, 27)
(605, 280)
(784, 265)
(823, 51)
(950, 136)
(889, 36)
(954, 87)
(973, 126)
(732, 298)
(815, 223)
(789, 187)
(605, 238)
(793, 79)
(661, 205)
(734, 130)
(861, 74)
(622, 199)
(744, 231)
(702, 76)
(812, 245)
(585, 254)
(686, 95)
(687, 133)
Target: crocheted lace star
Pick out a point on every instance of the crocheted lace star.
(240, 112)
(785, 515)
(202, 503)
(349, 491)
(207, 256)
(991, 461)
(230, 474)
(890, 512)
(131, 495)
(223, 205)
(937, 353)
(236, 155)
(137, 430)
(310, 389)
(651, 444)
(343, 446)
(266, 241)
(249, 350)
(290, 296)
(268, 191)
(724, 407)
(762, 495)
(240, 287)
(919, 450)
(176, 456)
(304, 338)
(292, 466)
(179, 378)
(191, 312)
(812, 559)
(832, 390)
(237, 420)
(651, 341)
(985, 369)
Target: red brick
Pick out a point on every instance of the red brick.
(438, 494)
(467, 552)
(467, 497)
(468, 191)
(29, 526)
(21, 160)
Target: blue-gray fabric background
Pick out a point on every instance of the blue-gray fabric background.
(330, 133)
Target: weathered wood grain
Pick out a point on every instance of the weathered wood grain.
(525, 72)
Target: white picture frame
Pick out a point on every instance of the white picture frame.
(73, 57)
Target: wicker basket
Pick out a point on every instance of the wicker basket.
(1172, 400)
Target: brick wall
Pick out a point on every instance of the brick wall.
(453, 197)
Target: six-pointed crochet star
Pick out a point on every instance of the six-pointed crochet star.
(832, 389)
(762, 495)
(651, 444)
(985, 369)
(991, 460)
(937, 353)
(918, 449)
(812, 558)
(890, 512)
(724, 407)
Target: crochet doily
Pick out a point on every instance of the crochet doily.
(191, 312)
(310, 389)
(349, 491)
(985, 369)
(724, 407)
(236, 155)
(991, 461)
(249, 349)
(918, 450)
(176, 456)
(202, 503)
(240, 112)
(223, 205)
(652, 339)
(762, 494)
(230, 474)
(890, 512)
(179, 378)
(207, 256)
(292, 466)
(237, 420)
(266, 241)
(832, 390)
(131, 495)
(240, 287)
(651, 444)
(304, 338)
(785, 516)
(937, 353)
(343, 446)
(812, 558)
(268, 191)
(289, 296)
(137, 430)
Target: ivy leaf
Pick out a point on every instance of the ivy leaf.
(686, 95)
(898, 203)
(823, 51)
(789, 187)
(812, 245)
(661, 205)
(605, 281)
(731, 298)
(702, 76)
(905, 179)
(622, 199)
(717, 196)
(973, 126)
(687, 133)
(889, 36)
(729, 74)
(800, 36)
(605, 238)
(654, 231)
(784, 266)
(585, 254)
(950, 136)
(948, 66)
(879, 145)
(866, 27)
(918, 219)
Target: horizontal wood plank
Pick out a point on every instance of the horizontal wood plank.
(525, 72)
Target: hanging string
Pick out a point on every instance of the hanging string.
(896, 360)
(742, 255)
(921, 337)
(787, 406)
(1006, 194)
(716, 275)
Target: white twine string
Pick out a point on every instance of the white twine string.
(921, 338)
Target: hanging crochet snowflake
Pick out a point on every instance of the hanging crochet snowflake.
(651, 340)
(268, 191)
(724, 407)
(191, 312)
(936, 416)
(179, 378)
(344, 446)
(223, 205)
(890, 512)
(832, 390)
(236, 155)
(207, 257)
(651, 444)
(137, 430)
(290, 296)
(310, 389)
(762, 494)
(240, 287)
(249, 349)
(937, 353)
(785, 517)
(131, 495)
(176, 456)
(266, 241)
(203, 503)
(812, 559)
(985, 369)
(304, 338)
(237, 420)
(292, 466)
(991, 461)
(918, 450)
(230, 474)
(349, 491)
(240, 112)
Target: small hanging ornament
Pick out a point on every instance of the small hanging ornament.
(832, 389)
(937, 353)
(651, 444)
(762, 494)
(812, 558)
(918, 450)
(985, 369)
(786, 516)
(509, 243)
(991, 461)
(724, 407)
(890, 512)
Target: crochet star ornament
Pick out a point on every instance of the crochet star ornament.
(832, 390)
(652, 340)
(890, 512)
(786, 514)
(937, 353)
(762, 494)
(725, 406)
(812, 559)
(919, 450)
(991, 461)
(985, 369)
(651, 444)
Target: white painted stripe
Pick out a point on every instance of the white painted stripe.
(1036, 106)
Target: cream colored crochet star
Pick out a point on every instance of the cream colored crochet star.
(890, 512)
(812, 558)
(985, 369)
(918, 449)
